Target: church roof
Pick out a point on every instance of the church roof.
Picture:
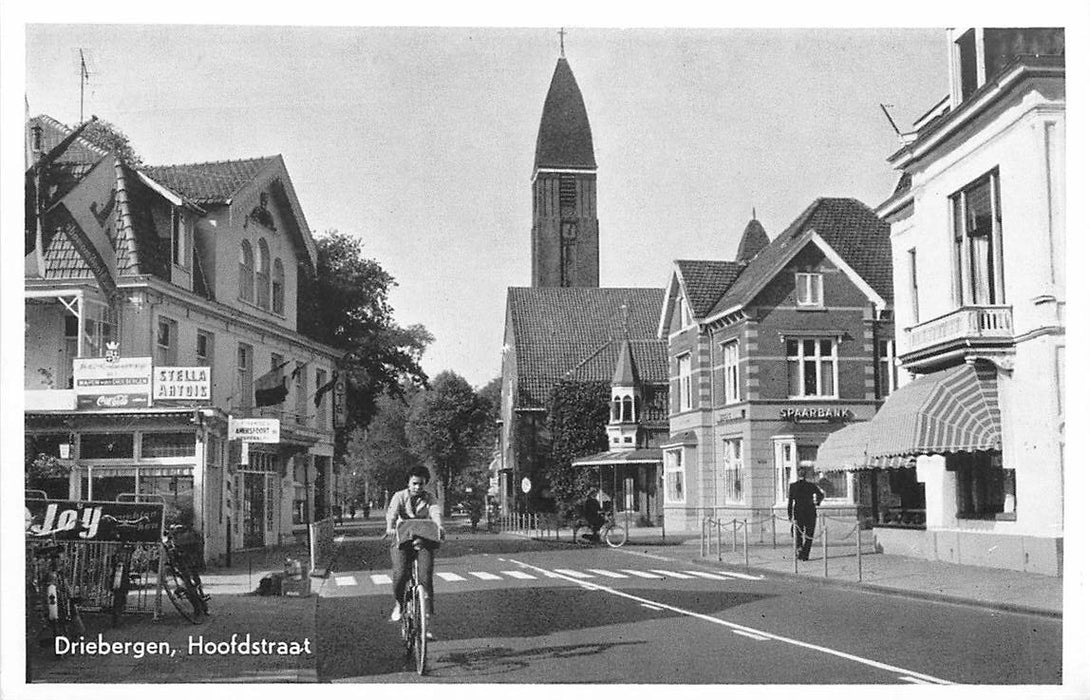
(754, 240)
(563, 138)
(576, 332)
(852, 229)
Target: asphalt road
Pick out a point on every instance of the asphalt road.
(517, 611)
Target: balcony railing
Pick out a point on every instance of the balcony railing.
(965, 325)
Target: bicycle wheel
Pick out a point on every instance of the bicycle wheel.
(183, 596)
(420, 603)
(120, 584)
(408, 629)
(615, 536)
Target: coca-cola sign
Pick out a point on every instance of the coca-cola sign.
(122, 382)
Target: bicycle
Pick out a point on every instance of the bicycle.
(609, 532)
(121, 581)
(414, 601)
(51, 593)
(182, 583)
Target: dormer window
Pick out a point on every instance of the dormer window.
(179, 238)
(809, 290)
(979, 54)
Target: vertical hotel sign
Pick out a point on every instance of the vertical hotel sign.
(112, 382)
(340, 405)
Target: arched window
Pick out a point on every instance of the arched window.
(616, 409)
(278, 287)
(626, 409)
(263, 274)
(246, 272)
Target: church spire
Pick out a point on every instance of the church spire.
(563, 137)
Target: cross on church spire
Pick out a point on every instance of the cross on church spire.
(561, 33)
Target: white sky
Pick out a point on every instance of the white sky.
(421, 141)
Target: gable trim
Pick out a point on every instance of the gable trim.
(664, 314)
(854, 276)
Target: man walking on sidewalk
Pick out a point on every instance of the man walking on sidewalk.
(803, 498)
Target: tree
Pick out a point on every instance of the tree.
(378, 458)
(577, 414)
(446, 426)
(105, 135)
(344, 302)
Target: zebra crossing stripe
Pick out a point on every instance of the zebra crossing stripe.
(704, 574)
(381, 578)
(518, 574)
(552, 574)
(607, 574)
(640, 574)
(747, 577)
(671, 574)
(573, 574)
(345, 580)
(485, 576)
(448, 576)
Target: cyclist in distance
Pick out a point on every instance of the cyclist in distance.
(410, 504)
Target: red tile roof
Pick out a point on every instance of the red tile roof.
(704, 281)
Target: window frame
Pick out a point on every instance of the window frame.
(673, 466)
(179, 238)
(244, 374)
(206, 358)
(685, 381)
(262, 275)
(813, 283)
(887, 368)
(734, 465)
(166, 355)
(246, 272)
(732, 371)
(971, 473)
(278, 287)
(966, 242)
(796, 367)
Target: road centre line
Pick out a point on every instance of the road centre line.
(758, 637)
(651, 607)
(924, 678)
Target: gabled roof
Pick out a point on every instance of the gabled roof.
(563, 137)
(576, 332)
(850, 228)
(215, 182)
(704, 281)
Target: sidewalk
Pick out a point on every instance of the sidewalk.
(998, 589)
(234, 611)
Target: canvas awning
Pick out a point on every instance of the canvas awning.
(620, 457)
(955, 410)
(848, 450)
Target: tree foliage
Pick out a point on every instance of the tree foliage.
(577, 415)
(344, 303)
(105, 135)
(377, 459)
(447, 426)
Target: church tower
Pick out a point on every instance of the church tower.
(564, 237)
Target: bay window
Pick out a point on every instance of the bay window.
(978, 250)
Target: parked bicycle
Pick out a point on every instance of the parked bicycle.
(414, 603)
(181, 582)
(51, 593)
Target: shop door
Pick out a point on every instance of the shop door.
(253, 509)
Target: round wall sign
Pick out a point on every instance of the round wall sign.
(526, 484)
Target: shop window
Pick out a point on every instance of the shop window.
(834, 485)
(177, 493)
(784, 455)
(163, 445)
(108, 488)
(733, 468)
(809, 289)
(812, 367)
(106, 446)
(985, 489)
(674, 474)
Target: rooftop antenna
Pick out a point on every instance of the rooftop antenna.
(83, 76)
(891, 122)
(561, 33)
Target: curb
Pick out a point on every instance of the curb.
(907, 593)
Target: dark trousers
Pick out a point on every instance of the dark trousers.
(804, 533)
(402, 559)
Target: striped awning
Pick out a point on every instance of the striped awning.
(618, 457)
(847, 450)
(955, 410)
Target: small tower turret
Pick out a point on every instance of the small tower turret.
(624, 409)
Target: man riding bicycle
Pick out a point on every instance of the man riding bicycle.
(413, 503)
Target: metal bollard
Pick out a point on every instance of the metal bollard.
(773, 517)
(745, 540)
(794, 534)
(859, 552)
(703, 529)
(734, 535)
(719, 539)
(825, 548)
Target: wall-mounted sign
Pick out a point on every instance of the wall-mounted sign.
(182, 384)
(526, 484)
(254, 429)
(110, 521)
(124, 382)
(816, 415)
